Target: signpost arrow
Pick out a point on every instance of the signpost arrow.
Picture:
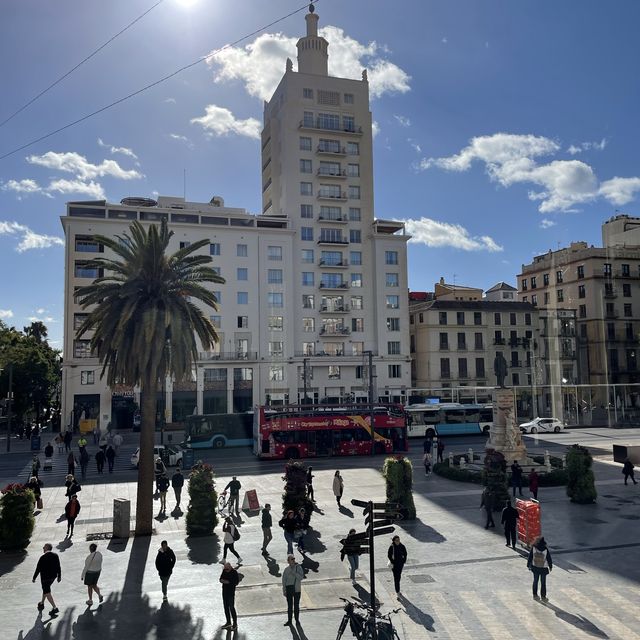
(377, 523)
(387, 506)
(359, 503)
(381, 532)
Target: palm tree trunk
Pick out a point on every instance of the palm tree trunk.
(144, 507)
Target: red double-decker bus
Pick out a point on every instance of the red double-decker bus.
(303, 431)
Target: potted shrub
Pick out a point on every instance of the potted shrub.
(16, 517)
(295, 489)
(202, 515)
(398, 474)
(494, 477)
(581, 487)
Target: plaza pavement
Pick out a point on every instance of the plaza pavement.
(460, 581)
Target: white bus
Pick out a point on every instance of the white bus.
(448, 419)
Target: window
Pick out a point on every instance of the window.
(276, 374)
(218, 296)
(243, 374)
(497, 318)
(357, 324)
(307, 119)
(275, 299)
(184, 244)
(308, 348)
(306, 233)
(356, 303)
(524, 284)
(357, 348)
(480, 368)
(356, 279)
(353, 170)
(242, 273)
(392, 280)
(307, 256)
(393, 324)
(477, 317)
(308, 301)
(442, 317)
(459, 317)
(274, 253)
(627, 311)
(84, 271)
(306, 211)
(87, 377)
(242, 322)
(580, 271)
(274, 276)
(305, 143)
(214, 249)
(626, 290)
(393, 348)
(611, 331)
(78, 320)
(355, 236)
(82, 348)
(348, 98)
(354, 214)
(560, 295)
(216, 270)
(241, 250)
(534, 300)
(306, 167)
(242, 297)
(353, 192)
(276, 323)
(308, 325)
(306, 188)
(331, 258)
(626, 271)
(583, 330)
(445, 368)
(86, 244)
(545, 279)
(559, 278)
(628, 330)
(444, 340)
(608, 289)
(355, 257)
(477, 341)
(329, 168)
(393, 302)
(216, 321)
(307, 93)
(328, 121)
(462, 341)
(353, 148)
(276, 349)
(546, 297)
(334, 372)
(331, 213)
(527, 319)
(462, 368)
(395, 371)
(513, 319)
(215, 375)
(307, 278)
(349, 123)
(515, 379)
(606, 268)
(331, 235)
(581, 291)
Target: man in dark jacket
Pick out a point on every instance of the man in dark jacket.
(229, 579)
(487, 503)
(267, 523)
(48, 568)
(234, 495)
(71, 511)
(163, 487)
(100, 458)
(397, 555)
(540, 563)
(110, 453)
(509, 519)
(165, 561)
(516, 477)
(177, 482)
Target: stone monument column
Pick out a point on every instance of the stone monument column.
(505, 434)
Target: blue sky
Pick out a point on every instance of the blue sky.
(504, 128)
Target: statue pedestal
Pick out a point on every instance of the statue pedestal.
(505, 434)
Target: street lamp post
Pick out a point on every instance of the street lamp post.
(9, 400)
(369, 354)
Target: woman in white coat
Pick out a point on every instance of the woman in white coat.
(338, 487)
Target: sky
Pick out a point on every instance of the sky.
(503, 128)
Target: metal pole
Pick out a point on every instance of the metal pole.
(9, 406)
(371, 411)
(372, 573)
(305, 361)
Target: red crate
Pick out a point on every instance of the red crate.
(529, 528)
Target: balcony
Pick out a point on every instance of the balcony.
(611, 314)
(335, 331)
(610, 294)
(228, 355)
(342, 264)
(515, 364)
(328, 240)
(333, 219)
(333, 354)
(319, 125)
(332, 195)
(445, 375)
(327, 308)
(326, 173)
(462, 347)
(500, 341)
(337, 286)
(336, 152)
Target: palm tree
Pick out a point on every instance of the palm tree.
(145, 325)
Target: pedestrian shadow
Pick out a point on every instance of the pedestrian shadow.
(345, 511)
(9, 560)
(65, 544)
(272, 566)
(227, 634)
(203, 549)
(161, 517)
(420, 531)
(317, 509)
(309, 565)
(417, 615)
(313, 543)
(580, 622)
(237, 520)
(36, 632)
(364, 596)
(177, 513)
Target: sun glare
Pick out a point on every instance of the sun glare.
(186, 3)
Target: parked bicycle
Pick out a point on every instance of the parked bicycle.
(223, 501)
(362, 624)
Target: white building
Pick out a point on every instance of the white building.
(313, 284)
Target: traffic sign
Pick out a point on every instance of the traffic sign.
(359, 503)
(358, 536)
(381, 532)
(377, 523)
(387, 506)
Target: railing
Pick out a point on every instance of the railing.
(332, 263)
(344, 308)
(228, 355)
(516, 364)
(333, 354)
(341, 151)
(326, 173)
(501, 341)
(322, 218)
(331, 195)
(335, 331)
(341, 285)
(318, 124)
(325, 240)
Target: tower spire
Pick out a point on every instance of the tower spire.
(312, 49)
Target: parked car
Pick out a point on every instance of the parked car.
(542, 425)
(171, 456)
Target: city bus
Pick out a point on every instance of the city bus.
(301, 431)
(218, 430)
(448, 419)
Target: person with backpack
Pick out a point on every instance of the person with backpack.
(177, 482)
(509, 519)
(540, 564)
(302, 522)
(35, 484)
(352, 556)
(231, 536)
(627, 470)
(163, 487)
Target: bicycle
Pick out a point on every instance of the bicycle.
(362, 626)
(223, 501)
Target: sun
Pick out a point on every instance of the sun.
(186, 3)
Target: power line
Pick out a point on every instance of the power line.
(152, 84)
(68, 73)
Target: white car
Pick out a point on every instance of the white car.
(171, 456)
(542, 425)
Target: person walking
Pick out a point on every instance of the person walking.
(163, 487)
(516, 477)
(48, 452)
(73, 486)
(267, 523)
(440, 449)
(82, 443)
(91, 573)
(71, 463)
(102, 443)
(177, 482)
(165, 562)
(534, 482)
(100, 458)
(509, 519)
(48, 568)
(35, 484)
(397, 555)
(352, 556)
(67, 438)
(292, 578)
(338, 487)
(117, 442)
(302, 522)
(427, 444)
(540, 564)
(627, 470)
(231, 536)
(159, 469)
(35, 465)
(84, 462)
(487, 503)
(426, 459)
(96, 434)
(310, 484)
(288, 523)
(71, 511)
(229, 579)
(234, 487)
(110, 454)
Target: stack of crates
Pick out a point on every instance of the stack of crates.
(529, 529)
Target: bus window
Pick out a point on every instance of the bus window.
(486, 415)
(472, 415)
(454, 416)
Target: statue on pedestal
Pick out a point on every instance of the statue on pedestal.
(500, 369)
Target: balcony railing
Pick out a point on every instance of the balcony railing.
(322, 126)
(327, 308)
(516, 364)
(322, 218)
(501, 341)
(326, 240)
(335, 331)
(327, 173)
(332, 195)
(339, 151)
(334, 285)
(333, 263)
(228, 355)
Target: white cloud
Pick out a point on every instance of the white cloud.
(414, 145)
(260, 64)
(125, 151)
(513, 159)
(44, 319)
(375, 129)
(545, 223)
(219, 121)
(170, 100)
(28, 238)
(403, 121)
(179, 138)
(41, 311)
(73, 162)
(444, 40)
(586, 146)
(5, 313)
(22, 186)
(434, 233)
(92, 189)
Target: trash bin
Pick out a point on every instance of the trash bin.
(35, 443)
(121, 518)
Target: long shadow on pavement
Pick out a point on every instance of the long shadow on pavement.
(417, 615)
(205, 550)
(580, 622)
(420, 531)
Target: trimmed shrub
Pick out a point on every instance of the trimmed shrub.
(581, 486)
(455, 473)
(16, 517)
(398, 474)
(555, 478)
(295, 496)
(494, 477)
(202, 514)
(556, 463)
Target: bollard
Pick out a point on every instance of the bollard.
(547, 460)
(564, 461)
(470, 458)
(463, 462)
(451, 459)
(121, 518)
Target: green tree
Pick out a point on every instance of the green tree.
(145, 323)
(398, 473)
(202, 516)
(581, 486)
(494, 477)
(16, 517)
